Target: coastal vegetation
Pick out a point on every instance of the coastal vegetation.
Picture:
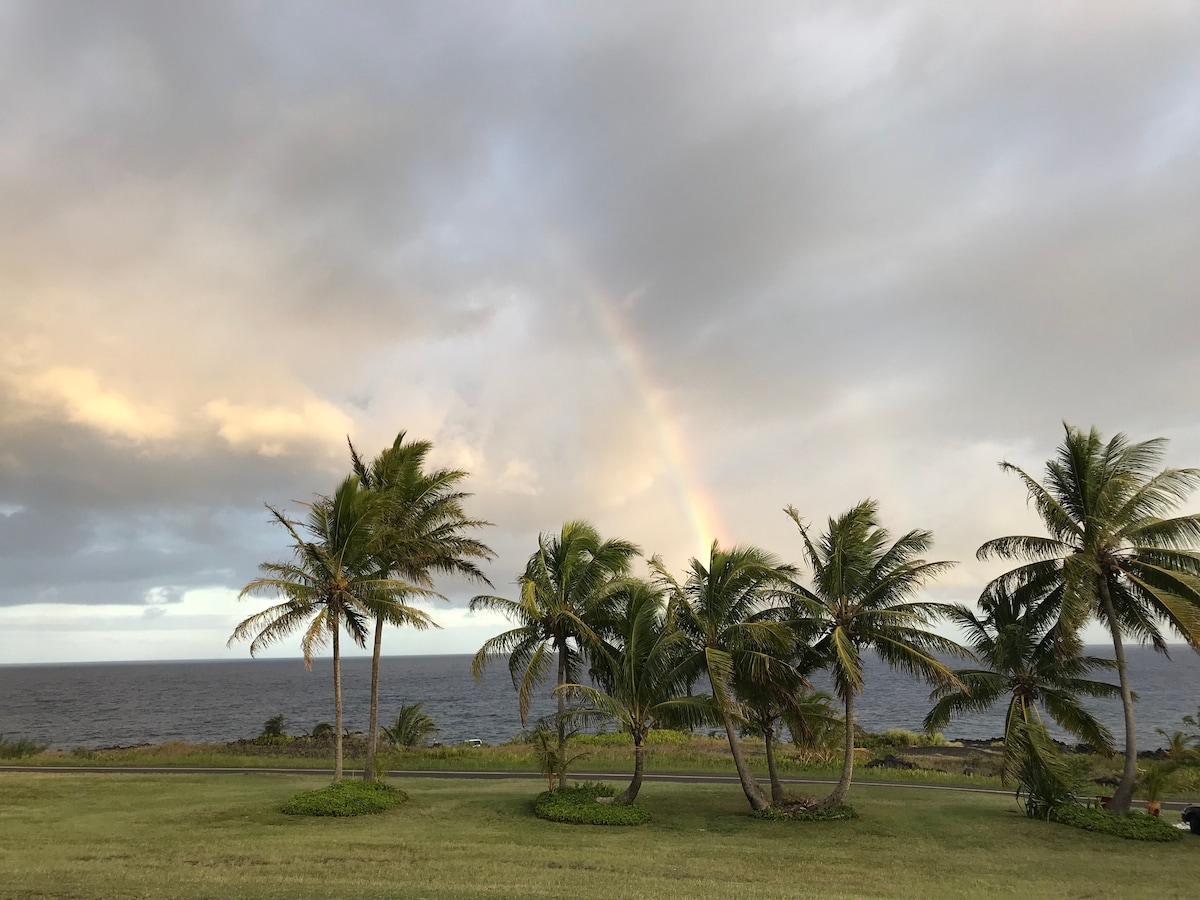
(361, 556)
(733, 644)
(1110, 554)
(1021, 644)
(590, 803)
(420, 529)
(343, 799)
(333, 582)
(564, 581)
(412, 728)
(755, 631)
(19, 747)
(734, 632)
(640, 662)
(893, 756)
(88, 836)
(862, 582)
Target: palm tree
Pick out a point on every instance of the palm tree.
(412, 726)
(1030, 660)
(1110, 552)
(1181, 747)
(423, 530)
(568, 575)
(735, 632)
(331, 584)
(861, 582)
(640, 663)
(769, 705)
(813, 723)
(322, 731)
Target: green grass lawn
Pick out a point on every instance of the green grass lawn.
(125, 836)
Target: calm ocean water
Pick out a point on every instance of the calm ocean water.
(97, 705)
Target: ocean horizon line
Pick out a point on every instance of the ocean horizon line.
(217, 659)
(1091, 648)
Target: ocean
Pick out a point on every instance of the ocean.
(119, 704)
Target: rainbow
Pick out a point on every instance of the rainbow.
(696, 504)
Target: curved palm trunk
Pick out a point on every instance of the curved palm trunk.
(839, 793)
(750, 788)
(373, 726)
(337, 707)
(1123, 795)
(1017, 711)
(561, 722)
(768, 731)
(630, 793)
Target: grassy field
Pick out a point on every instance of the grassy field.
(126, 836)
(699, 755)
(938, 765)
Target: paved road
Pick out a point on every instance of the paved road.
(675, 777)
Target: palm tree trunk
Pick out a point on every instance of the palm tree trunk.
(1017, 711)
(373, 726)
(630, 793)
(776, 785)
(838, 796)
(1123, 795)
(337, 706)
(562, 717)
(750, 788)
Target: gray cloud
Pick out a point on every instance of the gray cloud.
(623, 262)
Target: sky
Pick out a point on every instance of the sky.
(666, 267)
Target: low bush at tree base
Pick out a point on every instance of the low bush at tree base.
(806, 809)
(345, 798)
(1134, 827)
(17, 748)
(580, 805)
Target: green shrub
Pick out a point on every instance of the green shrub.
(273, 740)
(1133, 827)
(579, 805)
(15, 748)
(345, 798)
(595, 788)
(610, 739)
(660, 736)
(899, 738)
(667, 736)
(1186, 782)
(807, 811)
(1043, 776)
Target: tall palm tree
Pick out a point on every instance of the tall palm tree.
(1110, 553)
(640, 664)
(331, 585)
(736, 632)
(564, 580)
(422, 531)
(861, 582)
(1030, 660)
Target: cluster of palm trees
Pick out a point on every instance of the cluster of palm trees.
(360, 558)
(1111, 554)
(756, 628)
(740, 619)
